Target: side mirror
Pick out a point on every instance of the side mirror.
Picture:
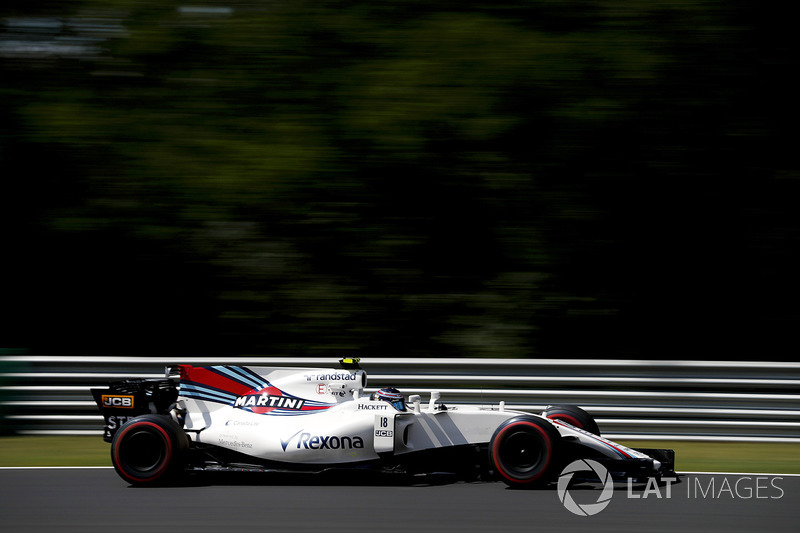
(416, 400)
(435, 395)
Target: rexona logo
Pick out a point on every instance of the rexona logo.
(308, 441)
(123, 402)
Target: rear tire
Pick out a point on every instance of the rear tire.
(149, 449)
(523, 451)
(574, 416)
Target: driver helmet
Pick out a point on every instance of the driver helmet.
(391, 395)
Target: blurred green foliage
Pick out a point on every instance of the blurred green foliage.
(526, 179)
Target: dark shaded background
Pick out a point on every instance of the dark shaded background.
(531, 179)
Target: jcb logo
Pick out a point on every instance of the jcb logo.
(124, 402)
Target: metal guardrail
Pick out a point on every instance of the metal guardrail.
(631, 399)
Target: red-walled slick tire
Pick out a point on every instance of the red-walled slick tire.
(149, 449)
(523, 451)
(574, 416)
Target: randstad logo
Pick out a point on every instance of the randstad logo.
(587, 509)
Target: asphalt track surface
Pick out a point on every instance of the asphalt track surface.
(87, 500)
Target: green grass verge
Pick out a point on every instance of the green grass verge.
(768, 457)
(779, 458)
(54, 451)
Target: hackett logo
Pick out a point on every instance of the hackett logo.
(373, 407)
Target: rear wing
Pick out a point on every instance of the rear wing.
(126, 399)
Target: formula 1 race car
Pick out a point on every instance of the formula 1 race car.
(234, 418)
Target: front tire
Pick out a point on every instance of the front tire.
(149, 449)
(523, 451)
(574, 416)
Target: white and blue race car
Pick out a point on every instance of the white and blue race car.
(260, 419)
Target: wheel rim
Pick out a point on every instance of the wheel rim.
(145, 451)
(521, 453)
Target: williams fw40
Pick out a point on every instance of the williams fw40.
(235, 418)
